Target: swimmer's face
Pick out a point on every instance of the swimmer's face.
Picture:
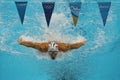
(53, 54)
(53, 50)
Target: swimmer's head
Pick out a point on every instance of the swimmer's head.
(53, 50)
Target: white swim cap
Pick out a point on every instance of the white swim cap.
(53, 47)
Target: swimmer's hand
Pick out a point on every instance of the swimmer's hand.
(83, 41)
(20, 40)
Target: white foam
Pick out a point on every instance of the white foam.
(99, 41)
(58, 22)
(60, 38)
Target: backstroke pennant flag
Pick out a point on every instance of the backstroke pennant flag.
(75, 9)
(48, 9)
(104, 9)
(21, 7)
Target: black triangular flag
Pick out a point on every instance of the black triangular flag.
(104, 9)
(21, 7)
(48, 9)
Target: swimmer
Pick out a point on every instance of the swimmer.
(52, 47)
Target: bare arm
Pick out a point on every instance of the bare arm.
(65, 47)
(40, 46)
(77, 45)
(26, 43)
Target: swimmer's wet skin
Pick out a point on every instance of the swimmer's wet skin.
(51, 47)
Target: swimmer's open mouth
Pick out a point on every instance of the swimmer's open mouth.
(53, 54)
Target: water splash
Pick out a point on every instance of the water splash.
(59, 22)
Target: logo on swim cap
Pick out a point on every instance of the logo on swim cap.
(53, 47)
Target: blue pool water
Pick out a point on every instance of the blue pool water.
(98, 59)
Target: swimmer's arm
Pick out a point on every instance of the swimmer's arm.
(65, 47)
(40, 46)
(26, 43)
(77, 45)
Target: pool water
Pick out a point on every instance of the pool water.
(98, 59)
